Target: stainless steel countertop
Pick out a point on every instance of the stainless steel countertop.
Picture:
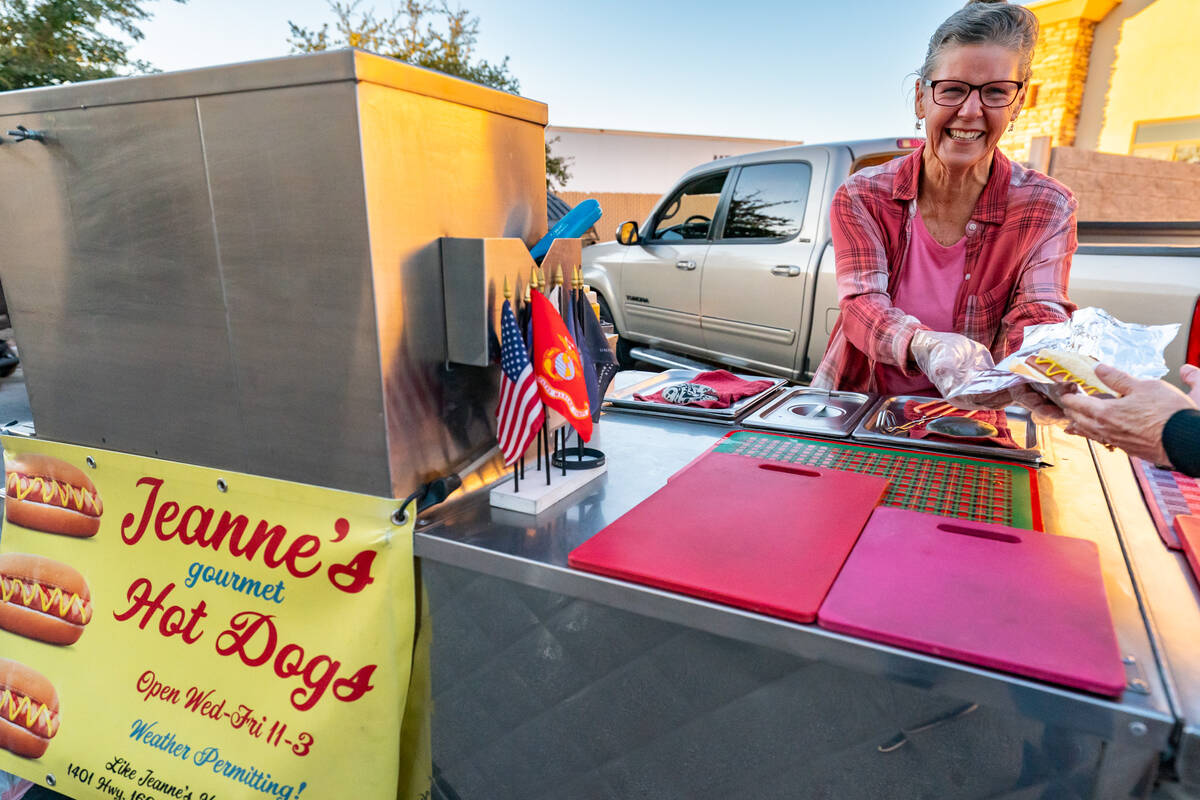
(643, 452)
(1170, 600)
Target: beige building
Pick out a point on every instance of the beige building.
(1117, 77)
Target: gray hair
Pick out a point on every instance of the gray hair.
(987, 22)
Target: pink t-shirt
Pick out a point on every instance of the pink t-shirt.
(927, 290)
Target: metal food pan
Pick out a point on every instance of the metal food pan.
(727, 422)
(624, 400)
(1020, 422)
(818, 412)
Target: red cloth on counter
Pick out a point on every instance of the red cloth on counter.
(998, 419)
(716, 389)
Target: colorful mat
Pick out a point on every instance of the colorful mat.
(1167, 494)
(952, 486)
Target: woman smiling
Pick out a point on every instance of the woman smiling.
(945, 256)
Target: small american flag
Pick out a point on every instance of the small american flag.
(520, 414)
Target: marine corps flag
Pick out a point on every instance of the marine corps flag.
(558, 367)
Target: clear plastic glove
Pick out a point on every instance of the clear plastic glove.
(12, 786)
(949, 360)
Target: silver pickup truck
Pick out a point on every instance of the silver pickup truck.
(734, 266)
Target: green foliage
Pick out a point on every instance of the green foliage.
(425, 34)
(59, 41)
(557, 168)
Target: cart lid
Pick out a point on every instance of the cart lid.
(296, 70)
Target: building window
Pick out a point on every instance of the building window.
(1169, 140)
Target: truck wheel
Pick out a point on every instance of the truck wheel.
(624, 347)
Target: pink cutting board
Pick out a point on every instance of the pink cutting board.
(1009, 599)
(746, 532)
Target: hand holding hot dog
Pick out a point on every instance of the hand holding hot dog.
(1133, 422)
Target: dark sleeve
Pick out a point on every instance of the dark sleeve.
(1181, 440)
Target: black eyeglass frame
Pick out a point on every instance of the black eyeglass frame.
(971, 87)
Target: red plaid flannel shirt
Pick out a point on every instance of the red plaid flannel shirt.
(1019, 244)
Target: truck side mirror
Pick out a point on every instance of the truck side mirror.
(627, 233)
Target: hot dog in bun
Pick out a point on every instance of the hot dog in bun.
(48, 494)
(43, 599)
(28, 710)
(1062, 366)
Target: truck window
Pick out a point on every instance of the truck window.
(768, 201)
(875, 160)
(690, 211)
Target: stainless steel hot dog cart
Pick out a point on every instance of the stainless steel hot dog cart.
(245, 267)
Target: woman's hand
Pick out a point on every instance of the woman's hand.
(1044, 411)
(949, 360)
(1133, 422)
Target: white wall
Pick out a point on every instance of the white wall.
(634, 162)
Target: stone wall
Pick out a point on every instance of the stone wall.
(1060, 68)
(1128, 189)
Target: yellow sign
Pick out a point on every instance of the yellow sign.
(171, 631)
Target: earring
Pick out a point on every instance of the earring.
(918, 125)
(1012, 124)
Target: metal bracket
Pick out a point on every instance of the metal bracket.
(1135, 676)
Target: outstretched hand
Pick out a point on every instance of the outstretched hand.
(949, 360)
(1133, 422)
(1044, 411)
(1191, 378)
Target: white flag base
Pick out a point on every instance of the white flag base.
(535, 496)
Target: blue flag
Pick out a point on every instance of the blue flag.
(594, 351)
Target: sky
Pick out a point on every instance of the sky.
(810, 70)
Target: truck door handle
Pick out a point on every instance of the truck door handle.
(786, 270)
(685, 264)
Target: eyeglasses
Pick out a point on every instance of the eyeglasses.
(996, 94)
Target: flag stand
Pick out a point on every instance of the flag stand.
(532, 496)
(577, 457)
(561, 369)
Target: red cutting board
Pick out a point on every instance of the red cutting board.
(1009, 599)
(1187, 527)
(748, 532)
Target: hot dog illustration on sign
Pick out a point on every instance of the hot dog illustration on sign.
(48, 494)
(28, 710)
(43, 599)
